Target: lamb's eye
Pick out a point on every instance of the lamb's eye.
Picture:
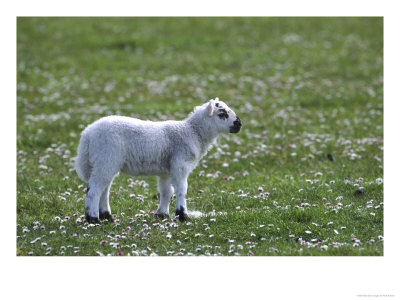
(217, 104)
(223, 114)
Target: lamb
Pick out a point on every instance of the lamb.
(168, 149)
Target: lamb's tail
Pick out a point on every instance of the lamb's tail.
(82, 165)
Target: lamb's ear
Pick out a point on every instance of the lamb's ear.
(210, 108)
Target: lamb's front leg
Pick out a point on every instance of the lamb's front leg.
(166, 191)
(180, 190)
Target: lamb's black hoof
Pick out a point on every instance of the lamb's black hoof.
(90, 219)
(106, 216)
(181, 214)
(160, 215)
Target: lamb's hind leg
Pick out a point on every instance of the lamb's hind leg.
(165, 189)
(97, 186)
(104, 207)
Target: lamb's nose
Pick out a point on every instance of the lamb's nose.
(237, 122)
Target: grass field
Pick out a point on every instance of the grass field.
(303, 177)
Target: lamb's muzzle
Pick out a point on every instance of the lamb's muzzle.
(237, 124)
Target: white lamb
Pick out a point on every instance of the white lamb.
(169, 150)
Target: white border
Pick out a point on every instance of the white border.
(200, 278)
(200, 8)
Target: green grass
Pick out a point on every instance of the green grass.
(303, 87)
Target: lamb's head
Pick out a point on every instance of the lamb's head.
(222, 116)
